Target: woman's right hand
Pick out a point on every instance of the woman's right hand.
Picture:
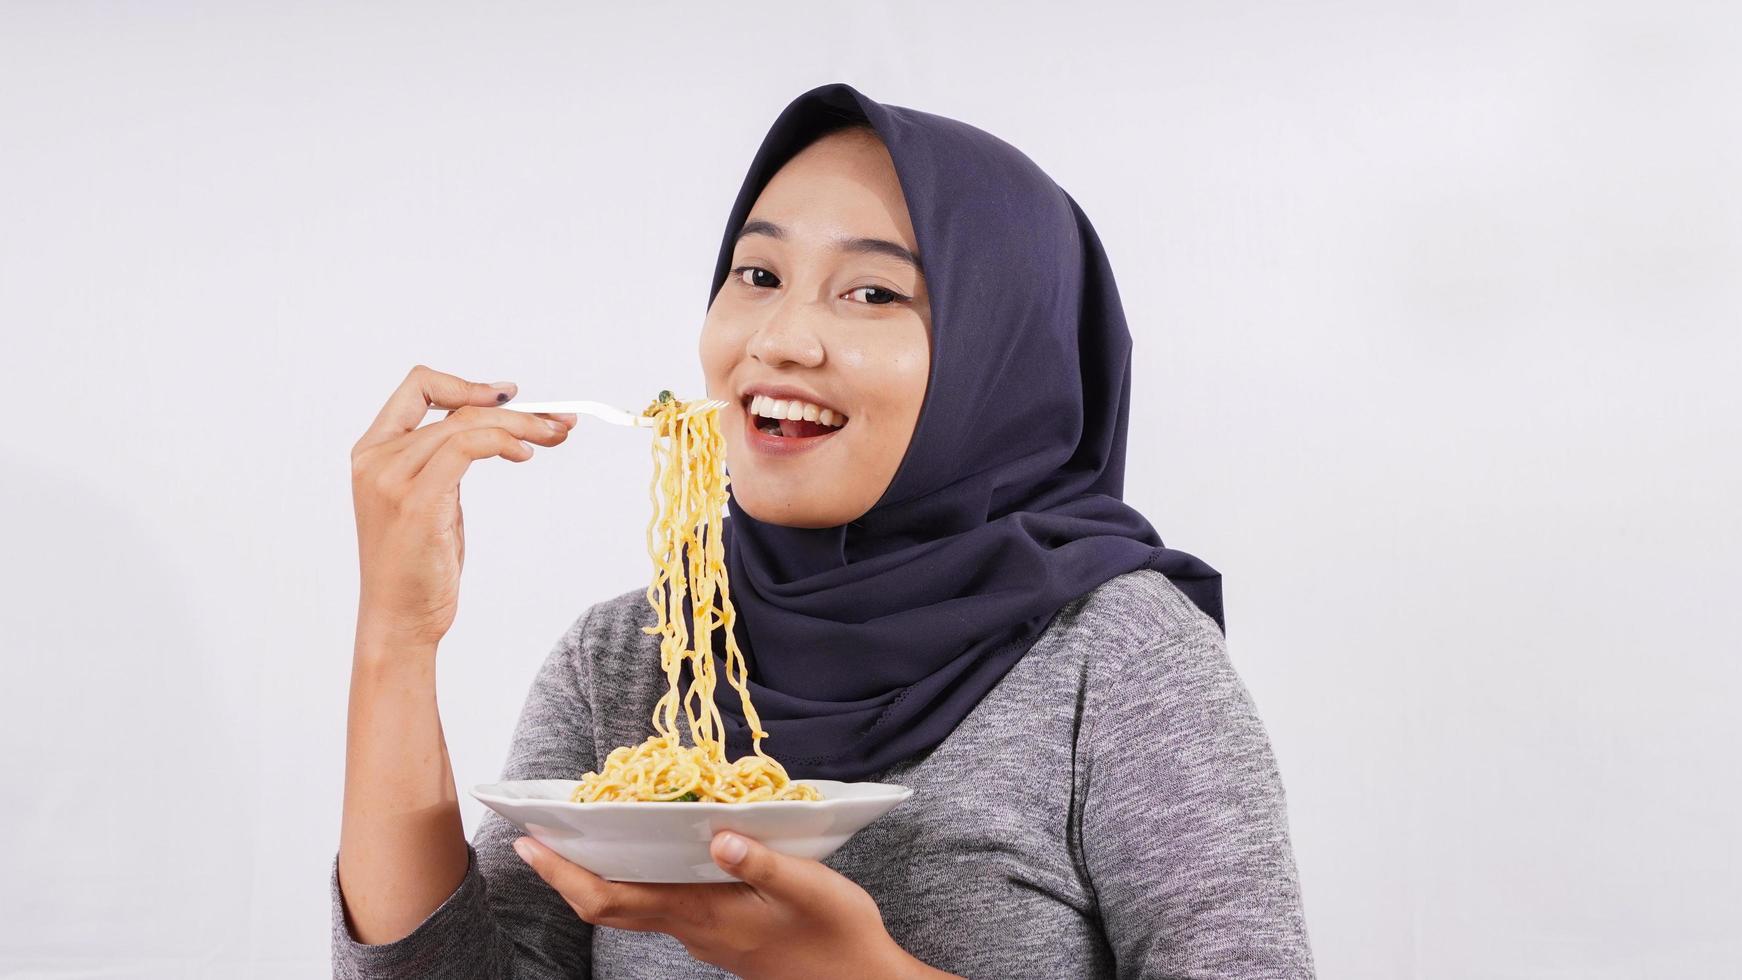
(405, 487)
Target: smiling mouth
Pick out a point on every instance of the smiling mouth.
(793, 418)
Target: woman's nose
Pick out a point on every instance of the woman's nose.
(787, 338)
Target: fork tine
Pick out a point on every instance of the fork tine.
(711, 405)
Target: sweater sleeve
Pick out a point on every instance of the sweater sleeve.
(502, 921)
(1184, 829)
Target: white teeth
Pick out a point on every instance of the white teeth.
(794, 409)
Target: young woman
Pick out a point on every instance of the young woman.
(937, 585)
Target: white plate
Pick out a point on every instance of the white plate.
(668, 842)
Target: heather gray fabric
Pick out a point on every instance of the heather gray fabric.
(1110, 809)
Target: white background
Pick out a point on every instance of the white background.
(1438, 332)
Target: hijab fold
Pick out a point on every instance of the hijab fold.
(869, 642)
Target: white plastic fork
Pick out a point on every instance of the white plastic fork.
(608, 413)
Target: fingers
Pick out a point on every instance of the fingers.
(414, 451)
(442, 474)
(767, 871)
(422, 389)
(619, 904)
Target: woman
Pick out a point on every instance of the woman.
(937, 585)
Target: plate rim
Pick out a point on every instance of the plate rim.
(897, 794)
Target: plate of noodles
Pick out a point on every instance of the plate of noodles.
(651, 810)
(668, 841)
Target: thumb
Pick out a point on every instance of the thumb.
(538, 857)
(443, 390)
(453, 392)
(756, 865)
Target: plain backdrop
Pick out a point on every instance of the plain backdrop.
(1438, 335)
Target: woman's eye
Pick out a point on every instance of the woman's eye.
(752, 275)
(877, 295)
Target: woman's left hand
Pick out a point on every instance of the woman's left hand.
(785, 917)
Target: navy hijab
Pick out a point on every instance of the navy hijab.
(868, 643)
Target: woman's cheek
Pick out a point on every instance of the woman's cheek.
(716, 362)
(908, 371)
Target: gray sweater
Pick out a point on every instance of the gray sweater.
(1110, 809)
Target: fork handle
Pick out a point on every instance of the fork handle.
(590, 408)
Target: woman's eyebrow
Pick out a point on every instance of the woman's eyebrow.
(871, 246)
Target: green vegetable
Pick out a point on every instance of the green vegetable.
(689, 797)
(664, 395)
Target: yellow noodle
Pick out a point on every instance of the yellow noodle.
(688, 492)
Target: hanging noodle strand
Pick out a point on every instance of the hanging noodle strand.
(688, 493)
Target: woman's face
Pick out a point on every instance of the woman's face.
(823, 323)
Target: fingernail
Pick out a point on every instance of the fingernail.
(733, 848)
(522, 848)
(556, 426)
(504, 390)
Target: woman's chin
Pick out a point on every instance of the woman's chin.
(788, 510)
